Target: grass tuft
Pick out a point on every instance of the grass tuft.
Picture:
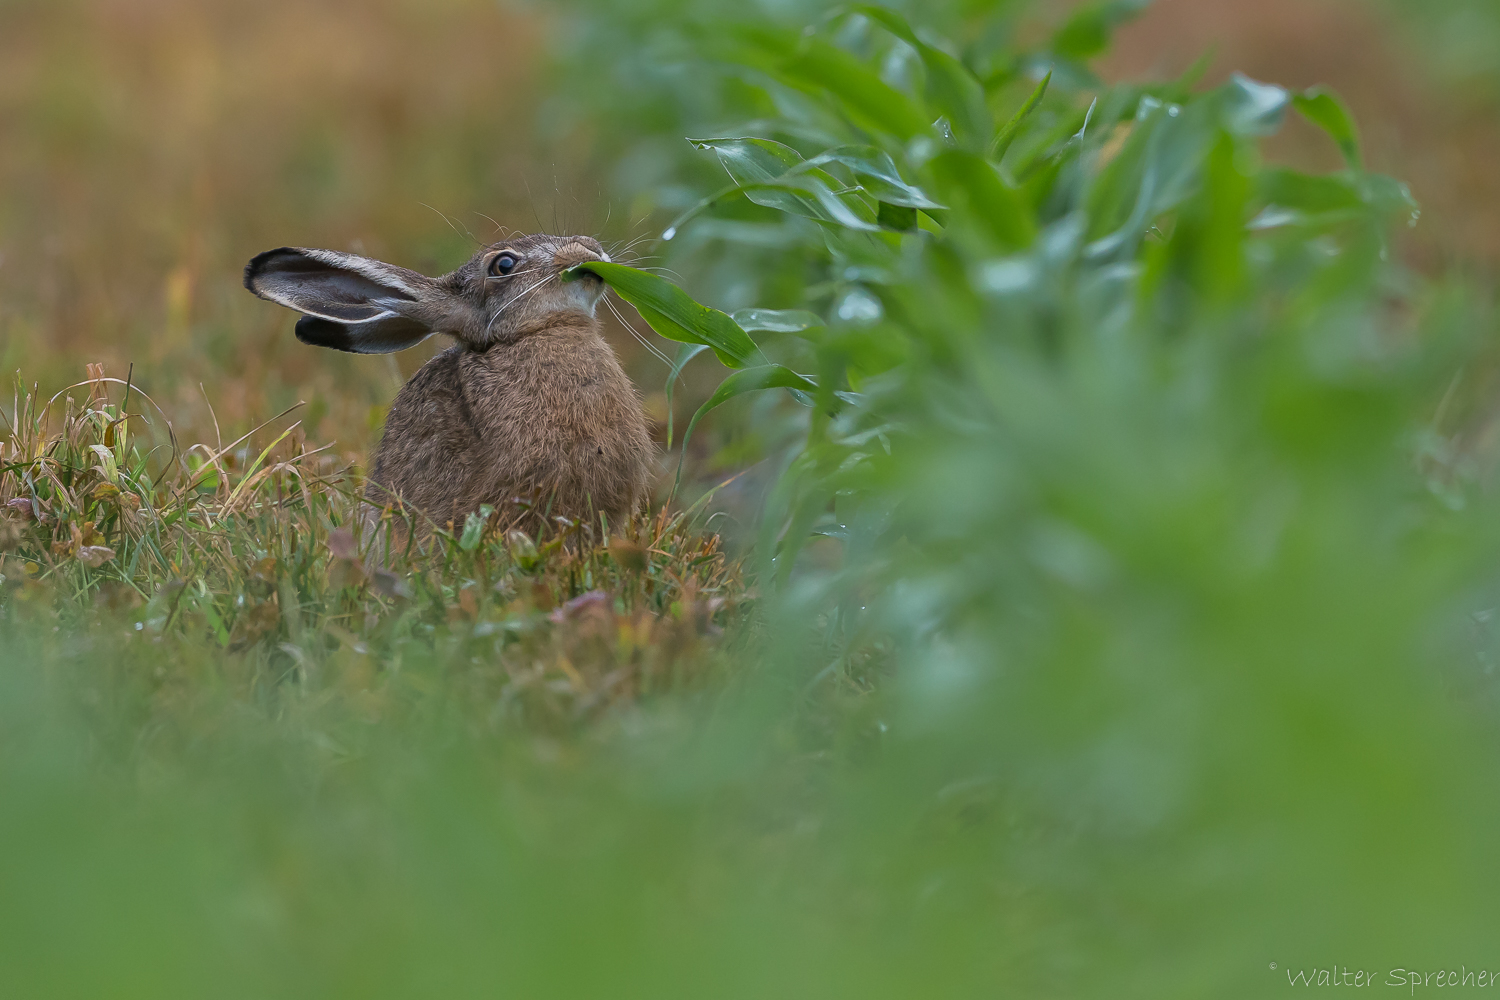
(265, 554)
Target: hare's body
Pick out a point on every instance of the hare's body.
(551, 420)
(531, 404)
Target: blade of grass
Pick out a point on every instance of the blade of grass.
(213, 461)
(250, 471)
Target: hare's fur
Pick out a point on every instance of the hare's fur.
(550, 419)
(530, 405)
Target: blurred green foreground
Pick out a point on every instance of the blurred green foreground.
(1123, 582)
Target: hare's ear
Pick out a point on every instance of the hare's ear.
(348, 303)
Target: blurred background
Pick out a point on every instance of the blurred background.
(148, 148)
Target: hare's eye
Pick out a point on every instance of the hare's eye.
(503, 264)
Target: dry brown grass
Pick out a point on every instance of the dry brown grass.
(259, 553)
(150, 148)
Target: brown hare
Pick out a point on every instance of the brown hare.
(531, 402)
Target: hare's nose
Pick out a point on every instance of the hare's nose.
(578, 252)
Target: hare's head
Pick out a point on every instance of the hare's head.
(508, 290)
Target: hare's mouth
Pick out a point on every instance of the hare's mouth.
(581, 294)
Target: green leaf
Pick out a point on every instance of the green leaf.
(877, 174)
(1162, 164)
(993, 205)
(951, 89)
(474, 528)
(672, 313)
(217, 623)
(1307, 193)
(1388, 195)
(821, 204)
(1310, 202)
(777, 320)
(109, 466)
(897, 217)
(203, 480)
(1121, 198)
(815, 195)
(741, 382)
(758, 168)
(753, 380)
(1327, 110)
(1293, 198)
(685, 353)
(750, 160)
(1007, 134)
(1252, 108)
(1181, 89)
(866, 98)
(774, 175)
(1213, 228)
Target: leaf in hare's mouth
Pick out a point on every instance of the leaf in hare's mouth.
(672, 313)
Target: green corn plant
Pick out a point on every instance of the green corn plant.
(1115, 429)
(940, 223)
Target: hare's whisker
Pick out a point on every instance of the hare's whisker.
(658, 269)
(514, 300)
(526, 270)
(660, 354)
(656, 352)
(521, 295)
(490, 326)
(498, 228)
(451, 226)
(635, 243)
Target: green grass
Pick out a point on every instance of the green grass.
(1115, 619)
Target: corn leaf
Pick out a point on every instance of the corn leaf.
(775, 176)
(750, 380)
(777, 320)
(672, 313)
(1012, 128)
(1326, 109)
(1252, 108)
(685, 353)
(877, 174)
(951, 89)
(991, 203)
(865, 97)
